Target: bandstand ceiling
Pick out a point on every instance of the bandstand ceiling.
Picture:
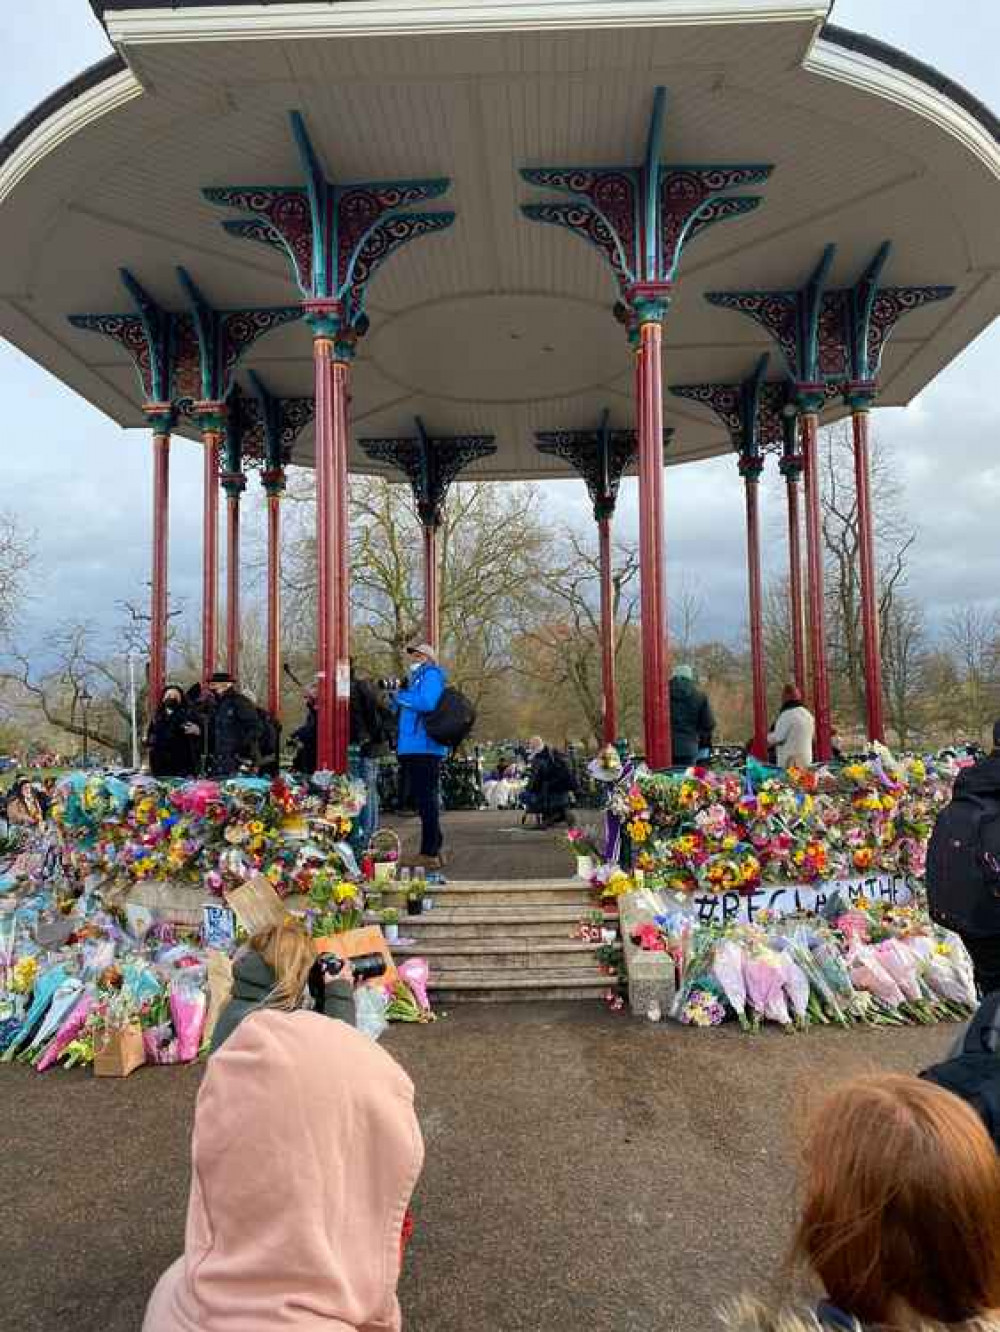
(498, 325)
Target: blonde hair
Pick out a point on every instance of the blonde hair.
(289, 952)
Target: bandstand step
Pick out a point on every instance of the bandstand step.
(504, 940)
(507, 954)
(507, 985)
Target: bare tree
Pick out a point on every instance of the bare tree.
(560, 637)
(841, 538)
(17, 554)
(903, 663)
(973, 638)
(491, 546)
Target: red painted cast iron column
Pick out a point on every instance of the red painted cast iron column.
(432, 588)
(792, 469)
(656, 684)
(234, 484)
(814, 559)
(274, 484)
(161, 419)
(341, 553)
(750, 469)
(866, 563)
(610, 694)
(212, 415)
(326, 665)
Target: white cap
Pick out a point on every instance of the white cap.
(422, 650)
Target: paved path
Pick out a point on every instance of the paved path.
(492, 844)
(584, 1172)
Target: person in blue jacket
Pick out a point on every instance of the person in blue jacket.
(419, 755)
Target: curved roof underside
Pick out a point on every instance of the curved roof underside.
(499, 325)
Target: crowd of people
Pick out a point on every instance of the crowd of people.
(897, 1228)
(217, 731)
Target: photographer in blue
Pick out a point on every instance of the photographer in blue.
(419, 755)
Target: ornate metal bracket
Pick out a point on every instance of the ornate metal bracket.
(431, 464)
(334, 236)
(640, 218)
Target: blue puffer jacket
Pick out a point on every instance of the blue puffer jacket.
(421, 696)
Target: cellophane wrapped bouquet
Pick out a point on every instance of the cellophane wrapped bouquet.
(869, 964)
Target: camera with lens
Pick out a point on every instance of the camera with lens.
(328, 966)
(390, 683)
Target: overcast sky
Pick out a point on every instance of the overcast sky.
(83, 484)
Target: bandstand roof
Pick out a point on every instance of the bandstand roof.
(498, 325)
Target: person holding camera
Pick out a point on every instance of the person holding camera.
(420, 757)
(279, 969)
(304, 1157)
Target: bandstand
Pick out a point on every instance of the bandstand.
(787, 223)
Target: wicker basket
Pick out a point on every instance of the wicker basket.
(381, 844)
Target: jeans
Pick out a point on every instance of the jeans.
(366, 770)
(423, 772)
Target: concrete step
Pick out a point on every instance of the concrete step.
(506, 985)
(550, 892)
(474, 922)
(501, 954)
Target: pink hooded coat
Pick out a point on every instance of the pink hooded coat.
(305, 1153)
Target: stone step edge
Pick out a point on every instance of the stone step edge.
(459, 914)
(525, 980)
(511, 944)
(490, 885)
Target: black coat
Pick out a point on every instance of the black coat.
(692, 722)
(982, 779)
(371, 720)
(172, 752)
(305, 740)
(234, 732)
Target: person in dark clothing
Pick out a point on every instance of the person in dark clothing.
(371, 728)
(692, 723)
(174, 737)
(550, 784)
(268, 744)
(234, 729)
(273, 971)
(983, 779)
(305, 740)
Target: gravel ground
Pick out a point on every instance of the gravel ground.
(584, 1171)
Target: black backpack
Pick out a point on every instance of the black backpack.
(974, 1073)
(963, 866)
(452, 720)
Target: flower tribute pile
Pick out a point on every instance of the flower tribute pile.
(80, 963)
(212, 835)
(867, 963)
(709, 831)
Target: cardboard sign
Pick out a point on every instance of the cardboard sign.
(220, 988)
(218, 927)
(118, 1051)
(256, 905)
(354, 943)
(783, 899)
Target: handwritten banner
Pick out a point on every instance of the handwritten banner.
(784, 899)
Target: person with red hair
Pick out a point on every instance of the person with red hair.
(900, 1215)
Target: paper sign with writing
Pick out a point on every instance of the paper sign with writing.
(256, 905)
(782, 899)
(218, 927)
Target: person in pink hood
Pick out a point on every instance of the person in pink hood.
(306, 1150)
